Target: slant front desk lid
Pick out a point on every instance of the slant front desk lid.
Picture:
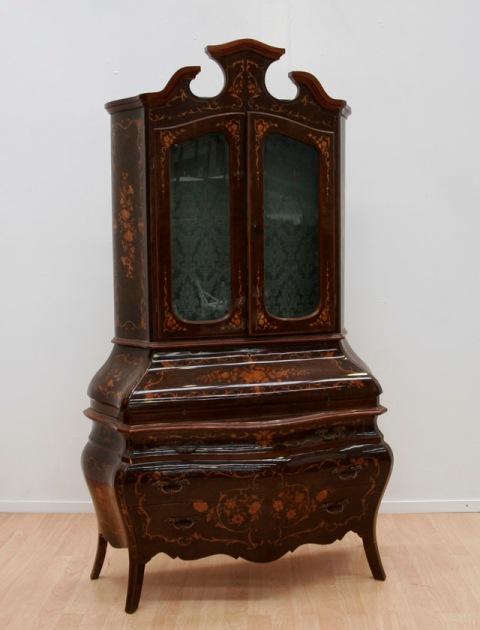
(169, 380)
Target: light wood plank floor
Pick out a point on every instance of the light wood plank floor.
(432, 564)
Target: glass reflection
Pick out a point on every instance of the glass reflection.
(291, 211)
(200, 215)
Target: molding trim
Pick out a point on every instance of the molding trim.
(429, 507)
(387, 507)
(47, 507)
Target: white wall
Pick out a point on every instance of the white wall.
(409, 70)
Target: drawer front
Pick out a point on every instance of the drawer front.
(249, 522)
(259, 439)
(207, 481)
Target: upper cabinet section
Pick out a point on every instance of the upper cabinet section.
(227, 210)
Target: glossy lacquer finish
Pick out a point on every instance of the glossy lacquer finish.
(231, 416)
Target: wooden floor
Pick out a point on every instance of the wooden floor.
(432, 564)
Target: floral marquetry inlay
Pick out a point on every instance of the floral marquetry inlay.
(167, 140)
(170, 322)
(263, 321)
(324, 317)
(323, 144)
(126, 225)
(234, 128)
(236, 321)
(244, 86)
(261, 128)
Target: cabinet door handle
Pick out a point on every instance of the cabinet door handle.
(172, 487)
(346, 473)
(181, 523)
(335, 508)
(332, 433)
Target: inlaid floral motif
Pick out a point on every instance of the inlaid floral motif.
(291, 505)
(309, 112)
(126, 224)
(167, 140)
(323, 144)
(170, 322)
(264, 438)
(111, 383)
(261, 128)
(251, 374)
(109, 387)
(235, 322)
(243, 82)
(324, 317)
(263, 321)
(239, 510)
(233, 126)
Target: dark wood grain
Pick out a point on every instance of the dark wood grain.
(251, 434)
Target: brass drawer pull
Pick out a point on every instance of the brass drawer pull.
(346, 473)
(332, 433)
(186, 448)
(181, 524)
(335, 508)
(172, 487)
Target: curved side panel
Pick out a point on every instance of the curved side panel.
(101, 460)
(113, 383)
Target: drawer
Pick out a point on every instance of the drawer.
(253, 437)
(254, 525)
(176, 482)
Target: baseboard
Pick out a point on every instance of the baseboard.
(387, 507)
(47, 507)
(429, 507)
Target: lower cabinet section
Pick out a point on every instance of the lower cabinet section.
(257, 504)
(257, 510)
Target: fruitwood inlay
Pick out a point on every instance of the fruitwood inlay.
(249, 434)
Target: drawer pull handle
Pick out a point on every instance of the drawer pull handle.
(172, 487)
(187, 448)
(332, 433)
(181, 524)
(335, 508)
(346, 473)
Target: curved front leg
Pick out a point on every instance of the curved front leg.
(135, 581)
(99, 557)
(373, 556)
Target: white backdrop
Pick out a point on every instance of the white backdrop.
(409, 70)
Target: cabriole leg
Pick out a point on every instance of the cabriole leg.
(135, 582)
(99, 557)
(373, 556)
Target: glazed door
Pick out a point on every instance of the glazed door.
(291, 227)
(201, 235)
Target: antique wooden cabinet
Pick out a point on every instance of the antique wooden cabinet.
(231, 416)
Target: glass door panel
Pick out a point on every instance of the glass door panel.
(290, 204)
(200, 215)
(201, 228)
(292, 227)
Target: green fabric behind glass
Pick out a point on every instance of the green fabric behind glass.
(291, 209)
(200, 214)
